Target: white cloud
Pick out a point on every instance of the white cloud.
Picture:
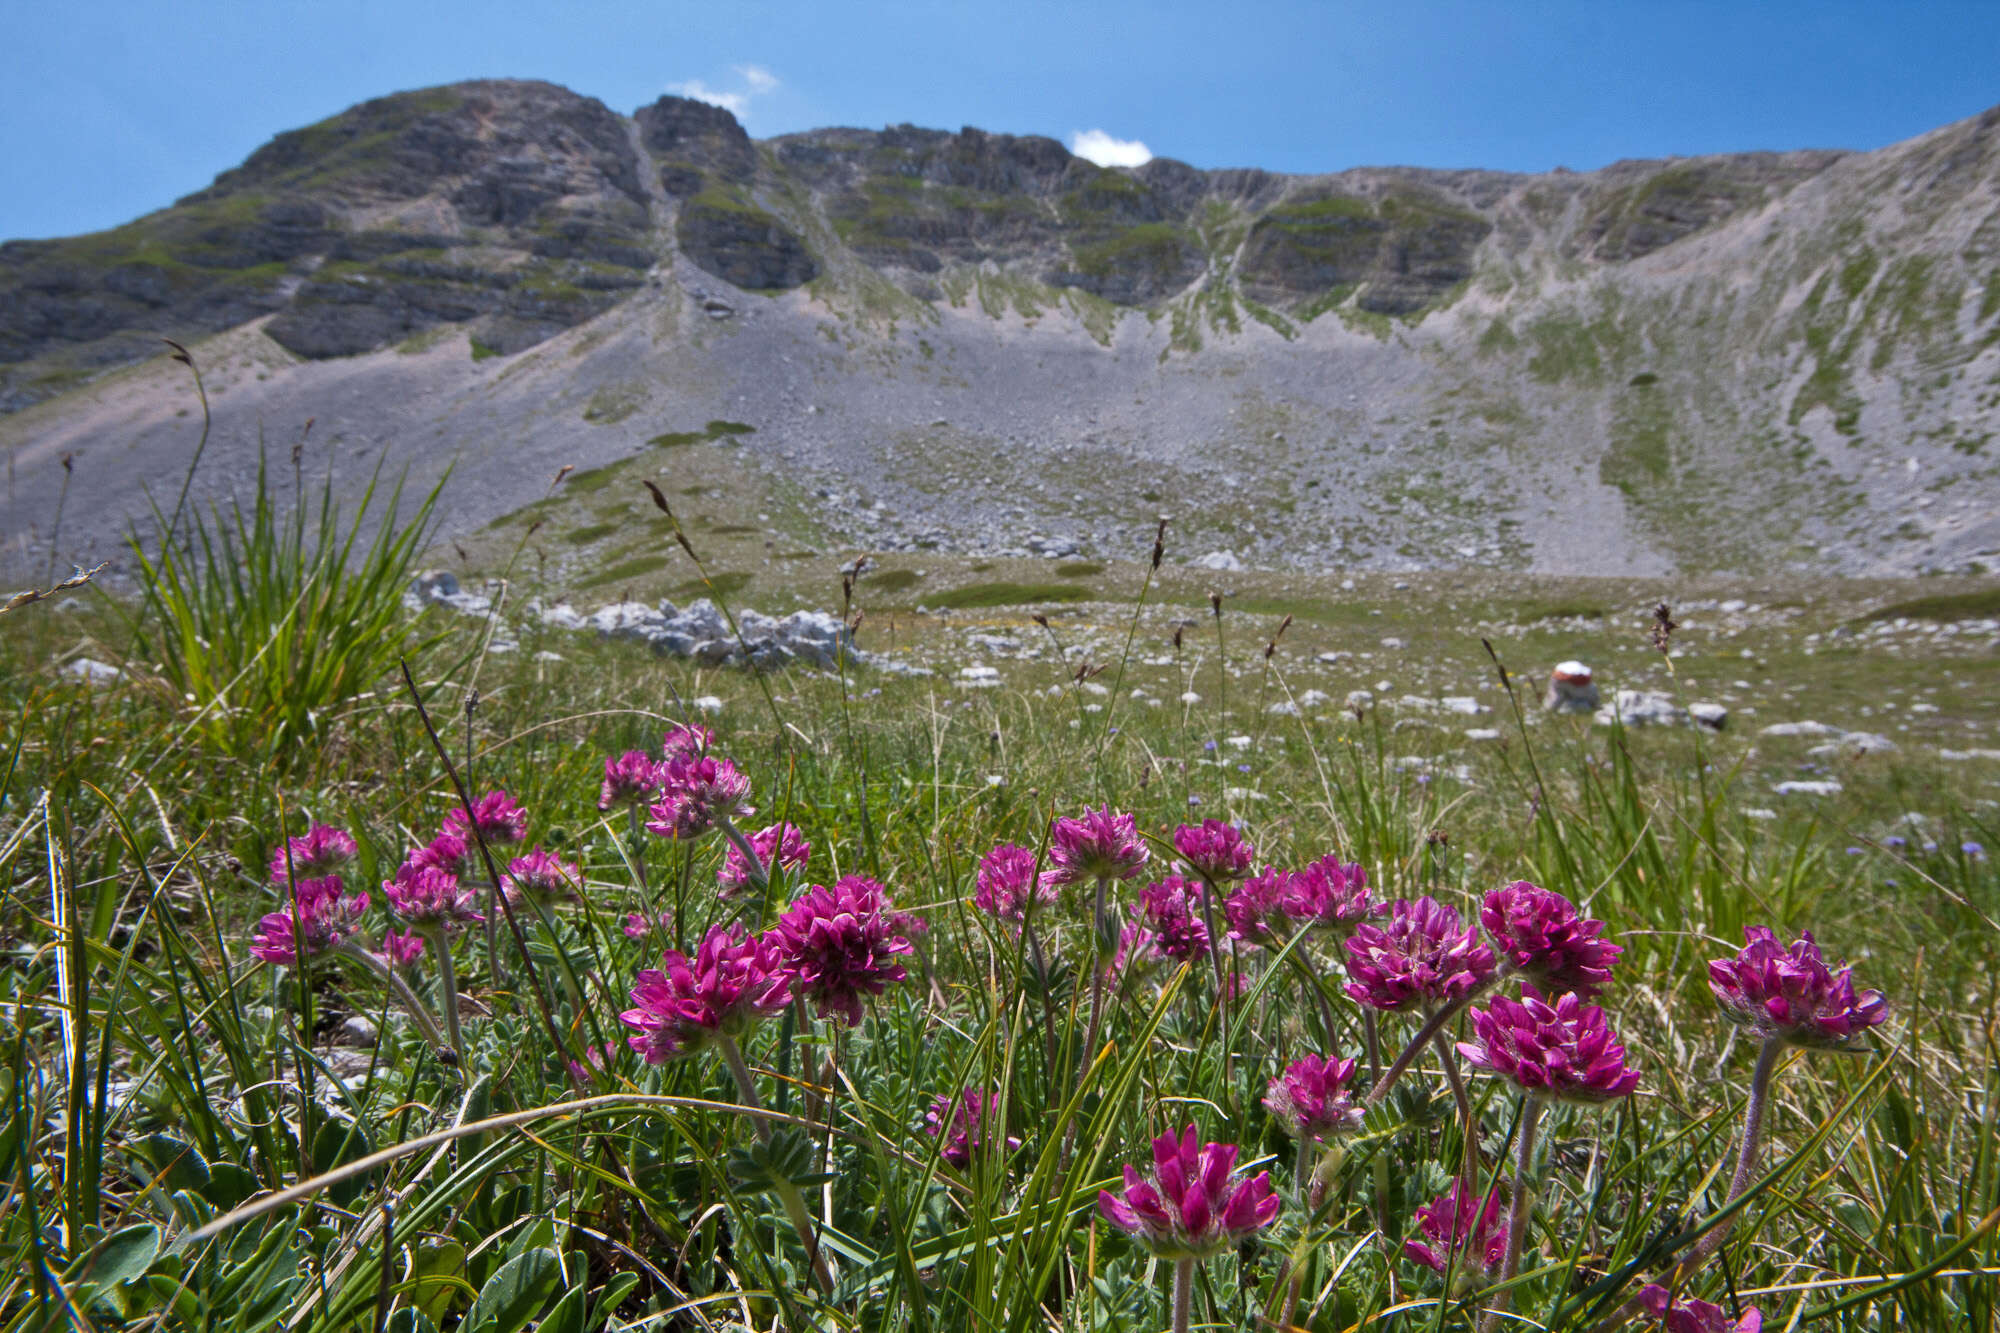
(1099, 147)
(733, 103)
(757, 79)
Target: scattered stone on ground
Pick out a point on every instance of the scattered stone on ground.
(1572, 689)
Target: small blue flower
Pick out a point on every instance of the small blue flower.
(1972, 849)
(1243, 768)
(1930, 846)
(1208, 746)
(1854, 851)
(1194, 800)
(1894, 843)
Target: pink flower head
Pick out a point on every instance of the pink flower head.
(1256, 908)
(402, 949)
(965, 1123)
(630, 779)
(733, 981)
(327, 914)
(685, 738)
(1792, 994)
(1006, 883)
(1189, 1206)
(1563, 1050)
(319, 852)
(1311, 1099)
(1424, 956)
(1458, 1223)
(695, 791)
(495, 815)
(1333, 896)
(637, 926)
(432, 898)
(541, 875)
(1098, 844)
(1215, 850)
(838, 945)
(445, 852)
(779, 847)
(1542, 937)
(1693, 1316)
(1171, 909)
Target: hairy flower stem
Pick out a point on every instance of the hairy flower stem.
(1748, 1152)
(760, 879)
(447, 988)
(419, 1014)
(1183, 1293)
(1042, 986)
(639, 851)
(1469, 1157)
(1432, 1026)
(1106, 944)
(788, 1193)
(1518, 1211)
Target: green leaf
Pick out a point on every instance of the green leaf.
(785, 1159)
(434, 1276)
(124, 1254)
(568, 1316)
(515, 1294)
(408, 1319)
(177, 1164)
(615, 1290)
(229, 1184)
(337, 1144)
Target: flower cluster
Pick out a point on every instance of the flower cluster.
(779, 847)
(1099, 844)
(1791, 994)
(1459, 1225)
(1423, 957)
(1257, 910)
(1543, 938)
(631, 779)
(1006, 883)
(495, 815)
(432, 899)
(1190, 1205)
(1171, 910)
(965, 1125)
(687, 1004)
(1694, 1316)
(327, 914)
(541, 877)
(1332, 895)
(1311, 1098)
(697, 790)
(1214, 850)
(1564, 1050)
(320, 851)
(838, 945)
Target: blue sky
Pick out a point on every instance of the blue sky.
(109, 110)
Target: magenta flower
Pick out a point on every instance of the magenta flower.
(838, 946)
(1311, 1098)
(965, 1123)
(689, 738)
(496, 817)
(1006, 883)
(402, 949)
(1693, 1316)
(1423, 957)
(1542, 938)
(779, 847)
(1256, 908)
(731, 983)
(1098, 844)
(1215, 850)
(1792, 994)
(630, 779)
(1171, 909)
(1563, 1050)
(1333, 896)
(445, 852)
(1189, 1206)
(431, 899)
(1458, 1223)
(327, 914)
(320, 851)
(543, 876)
(697, 790)
(636, 926)
(595, 1059)
(1138, 949)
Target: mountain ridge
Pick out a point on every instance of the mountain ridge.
(1718, 362)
